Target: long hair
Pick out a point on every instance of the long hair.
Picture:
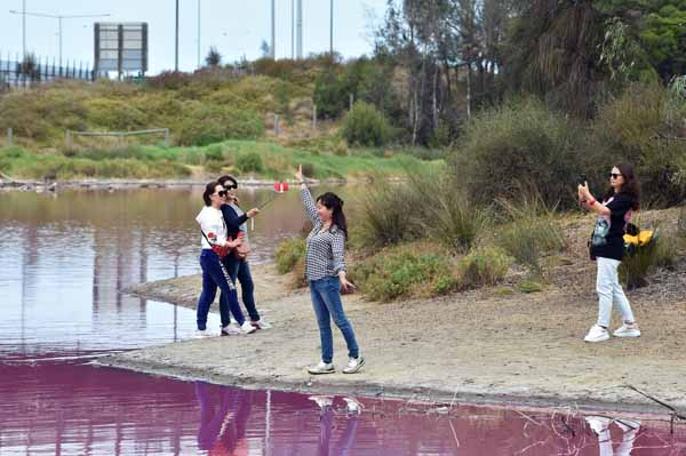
(333, 202)
(630, 188)
(209, 190)
(227, 177)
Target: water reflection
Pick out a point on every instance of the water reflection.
(65, 408)
(65, 259)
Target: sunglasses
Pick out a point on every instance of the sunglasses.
(615, 175)
(221, 193)
(229, 187)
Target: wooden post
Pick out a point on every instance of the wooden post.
(166, 136)
(9, 137)
(352, 101)
(67, 139)
(276, 124)
(314, 117)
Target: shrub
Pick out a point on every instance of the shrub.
(530, 231)
(483, 266)
(405, 271)
(519, 143)
(115, 115)
(636, 267)
(388, 214)
(249, 162)
(288, 253)
(203, 124)
(644, 126)
(365, 126)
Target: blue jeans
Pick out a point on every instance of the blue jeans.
(240, 270)
(326, 300)
(214, 275)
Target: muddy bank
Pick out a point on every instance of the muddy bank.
(488, 346)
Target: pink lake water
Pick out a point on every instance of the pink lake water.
(63, 263)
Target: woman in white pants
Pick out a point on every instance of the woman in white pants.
(607, 248)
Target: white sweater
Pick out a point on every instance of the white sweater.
(211, 222)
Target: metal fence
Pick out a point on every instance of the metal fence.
(32, 71)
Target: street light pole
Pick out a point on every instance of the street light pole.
(176, 39)
(331, 29)
(59, 18)
(23, 29)
(199, 33)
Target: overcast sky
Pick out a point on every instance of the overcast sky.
(234, 27)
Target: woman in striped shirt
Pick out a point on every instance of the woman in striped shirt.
(325, 273)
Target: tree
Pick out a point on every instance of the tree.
(214, 58)
(265, 49)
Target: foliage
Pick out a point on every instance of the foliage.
(250, 162)
(521, 142)
(635, 267)
(483, 266)
(214, 58)
(288, 253)
(530, 230)
(365, 126)
(205, 124)
(405, 271)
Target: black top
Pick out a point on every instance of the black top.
(233, 220)
(607, 240)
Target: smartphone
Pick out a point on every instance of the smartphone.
(582, 179)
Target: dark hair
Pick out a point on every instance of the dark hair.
(226, 177)
(209, 190)
(333, 202)
(630, 188)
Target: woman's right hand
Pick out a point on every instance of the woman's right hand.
(233, 243)
(252, 212)
(299, 174)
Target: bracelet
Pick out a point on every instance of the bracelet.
(591, 203)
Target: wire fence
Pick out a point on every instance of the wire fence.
(30, 71)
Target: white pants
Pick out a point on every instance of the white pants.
(610, 291)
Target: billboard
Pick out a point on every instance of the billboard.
(121, 47)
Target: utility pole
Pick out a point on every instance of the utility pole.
(199, 34)
(331, 29)
(23, 29)
(59, 18)
(299, 27)
(176, 39)
(272, 50)
(292, 29)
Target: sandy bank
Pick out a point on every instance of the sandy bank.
(482, 346)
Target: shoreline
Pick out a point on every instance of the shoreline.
(539, 374)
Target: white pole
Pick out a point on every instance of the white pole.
(331, 29)
(59, 20)
(23, 29)
(292, 29)
(199, 61)
(272, 50)
(299, 26)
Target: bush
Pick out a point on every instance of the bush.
(519, 143)
(405, 271)
(288, 253)
(205, 124)
(530, 231)
(636, 267)
(249, 162)
(484, 266)
(644, 126)
(365, 126)
(388, 214)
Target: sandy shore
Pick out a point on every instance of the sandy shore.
(489, 346)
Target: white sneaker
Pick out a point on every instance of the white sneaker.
(261, 324)
(628, 425)
(321, 368)
(322, 401)
(599, 424)
(352, 405)
(354, 365)
(231, 329)
(597, 334)
(627, 331)
(202, 333)
(247, 328)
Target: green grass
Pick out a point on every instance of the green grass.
(148, 161)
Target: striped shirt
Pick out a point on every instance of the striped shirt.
(324, 254)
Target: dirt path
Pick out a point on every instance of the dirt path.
(491, 345)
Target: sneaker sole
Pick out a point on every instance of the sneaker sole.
(332, 371)
(627, 335)
(357, 369)
(597, 340)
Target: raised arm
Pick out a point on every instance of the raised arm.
(306, 197)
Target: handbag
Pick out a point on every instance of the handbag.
(220, 250)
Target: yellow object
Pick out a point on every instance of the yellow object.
(641, 239)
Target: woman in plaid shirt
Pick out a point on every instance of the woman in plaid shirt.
(325, 273)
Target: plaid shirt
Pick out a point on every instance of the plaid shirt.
(324, 255)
